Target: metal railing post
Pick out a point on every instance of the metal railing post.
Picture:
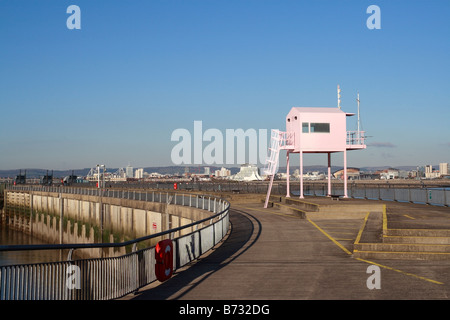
(102, 284)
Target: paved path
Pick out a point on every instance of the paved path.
(272, 255)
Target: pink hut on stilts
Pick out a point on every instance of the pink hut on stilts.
(313, 130)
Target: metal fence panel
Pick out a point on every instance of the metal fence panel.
(402, 195)
(447, 197)
(387, 194)
(207, 238)
(357, 193)
(436, 197)
(108, 278)
(418, 195)
(225, 224)
(188, 248)
(335, 191)
(218, 232)
(372, 193)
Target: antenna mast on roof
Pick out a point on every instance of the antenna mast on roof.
(339, 96)
(357, 99)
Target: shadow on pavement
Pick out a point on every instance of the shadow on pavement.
(245, 231)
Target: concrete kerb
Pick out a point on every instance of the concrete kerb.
(374, 239)
(307, 209)
(405, 244)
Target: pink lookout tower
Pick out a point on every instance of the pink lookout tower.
(313, 130)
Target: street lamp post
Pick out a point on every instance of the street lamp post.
(100, 200)
(98, 175)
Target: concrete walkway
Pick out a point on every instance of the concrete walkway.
(270, 254)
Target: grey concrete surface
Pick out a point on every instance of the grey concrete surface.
(271, 254)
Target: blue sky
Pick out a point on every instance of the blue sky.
(115, 90)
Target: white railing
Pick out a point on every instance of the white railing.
(113, 277)
(356, 138)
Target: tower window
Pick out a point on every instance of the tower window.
(320, 127)
(305, 127)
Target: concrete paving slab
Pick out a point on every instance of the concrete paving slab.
(273, 255)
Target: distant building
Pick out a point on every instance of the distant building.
(249, 172)
(155, 175)
(315, 175)
(369, 175)
(389, 174)
(139, 173)
(129, 171)
(443, 169)
(392, 173)
(352, 174)
(430, 173)
(281, 176)
(420, 172)
(224, 172)
(403, 174)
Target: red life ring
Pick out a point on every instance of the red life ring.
(164, 260)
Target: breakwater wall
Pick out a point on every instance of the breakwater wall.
(99, 216)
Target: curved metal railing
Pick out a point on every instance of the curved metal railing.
(112, 277)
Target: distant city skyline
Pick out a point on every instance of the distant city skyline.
(442, 168)
(113, 91)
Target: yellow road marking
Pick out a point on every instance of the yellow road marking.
(336, 225)
(330, 237)
(426, 237)
(358, 238)
(370, 262)
(400, 271)
(409, 217)
(362, 228)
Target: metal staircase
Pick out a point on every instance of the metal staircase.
(279, 140)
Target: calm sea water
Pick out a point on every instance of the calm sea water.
(12, 237)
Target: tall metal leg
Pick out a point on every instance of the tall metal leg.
(288, 193)
(301, 175)
(345, 174)
(329, 174)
